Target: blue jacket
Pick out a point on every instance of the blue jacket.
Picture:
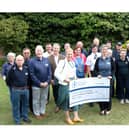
(18, 78)
(40, 71)
(104, 67)
(5, 68)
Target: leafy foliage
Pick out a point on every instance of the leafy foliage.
(13, 33)
(41, 28)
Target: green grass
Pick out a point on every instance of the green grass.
(118, 116)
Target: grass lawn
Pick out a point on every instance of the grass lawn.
(118, 116)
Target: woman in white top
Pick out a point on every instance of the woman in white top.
(66, 71)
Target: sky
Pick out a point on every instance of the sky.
(64, 6)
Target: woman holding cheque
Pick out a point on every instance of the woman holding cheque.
(65, 72)
(104, 67)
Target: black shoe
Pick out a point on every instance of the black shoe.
(27, 121)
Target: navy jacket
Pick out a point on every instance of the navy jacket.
(40, 71)
(122, 68)
(18, 78)
(5, 68)
(104, 67)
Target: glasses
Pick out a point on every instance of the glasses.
(26, 52)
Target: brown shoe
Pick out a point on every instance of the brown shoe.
(43, 115)
(38, 117)
(57, 109)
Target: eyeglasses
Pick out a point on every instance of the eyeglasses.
(26, 52)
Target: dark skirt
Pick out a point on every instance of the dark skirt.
(63, 98)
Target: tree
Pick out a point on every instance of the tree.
(13, 33)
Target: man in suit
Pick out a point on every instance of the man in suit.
(54, 59)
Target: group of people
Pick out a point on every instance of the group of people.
(29, 79)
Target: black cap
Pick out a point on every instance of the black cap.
(119, 43)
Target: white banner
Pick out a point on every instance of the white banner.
(88, 90)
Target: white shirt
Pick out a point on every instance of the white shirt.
(65, 70)
(91, 59)
(46, 54)
(56, 59)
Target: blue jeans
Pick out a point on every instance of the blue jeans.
(10, 93)
(20, 97)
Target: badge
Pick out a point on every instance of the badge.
(26, 74)
(46, 65)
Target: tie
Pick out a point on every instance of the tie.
(95, 56)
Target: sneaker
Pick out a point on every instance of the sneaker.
(122, 101)
(107, 112)
(27, 121)
(102, 112)
(126, 101)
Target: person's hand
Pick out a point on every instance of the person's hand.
(109, 77)
(45, 84)
(52, 82)
(67, 80)
(4, 78)
(99, 76)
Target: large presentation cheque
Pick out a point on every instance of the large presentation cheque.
(88, 90)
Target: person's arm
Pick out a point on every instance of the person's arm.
(49, 73)
(9, 78)
(96, 68)
(3, 73)
(88, 63)
(32, 73)
(88, 71)
(113, 66)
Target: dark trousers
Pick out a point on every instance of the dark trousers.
(30, 99)
(10, 93)
(113, 87)
(117, 88)
(107, 105)
(55, 93)
(124, 87)
(92, 73)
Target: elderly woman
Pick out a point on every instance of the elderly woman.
(6, 67)
(65, 72)
(104, 67)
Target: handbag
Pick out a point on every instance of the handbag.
(56, 81)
